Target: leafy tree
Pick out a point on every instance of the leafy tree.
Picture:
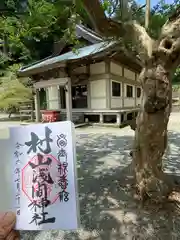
(129, 10)
(13, 91)
(160, 57)
(159, 15)
(28, 29)
(34, 27)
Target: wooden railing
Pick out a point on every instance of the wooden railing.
(26, 111)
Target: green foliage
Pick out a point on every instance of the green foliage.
(127, 10)
(28, 29)
(13, 91)
(175, 88)
(34, 26)
(34, 29)
(159, 15)
(132, 10)
(176, 77)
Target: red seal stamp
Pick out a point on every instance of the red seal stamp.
(40, 178)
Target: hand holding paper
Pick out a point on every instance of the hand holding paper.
(44, 176)
(7, 223)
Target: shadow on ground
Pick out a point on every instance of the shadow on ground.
(108, 205)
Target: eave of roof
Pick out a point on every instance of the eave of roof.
(81, 32)
(50, 63)
(88, 34)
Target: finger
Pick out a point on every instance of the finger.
(7, 222)
(13, 235)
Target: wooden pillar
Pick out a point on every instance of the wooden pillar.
(32, 111)
(123, 90)
(37, 106)
(101, 118)
(68, 100)
(118, 119)
(125, 116)
(89, 94)
(135, 97)
(88, 87)
(108, 84)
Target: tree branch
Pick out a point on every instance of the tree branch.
(172, 26)
(141, 7)
(109, 28)
(169, 41)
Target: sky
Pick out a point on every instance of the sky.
(153, 2)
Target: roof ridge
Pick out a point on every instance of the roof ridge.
(89, 30)
(36, 62)
(87, 33)
(70, 56)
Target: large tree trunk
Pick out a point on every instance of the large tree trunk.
(159, 58)
(151, 132)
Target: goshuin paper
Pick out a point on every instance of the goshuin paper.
(44, 176)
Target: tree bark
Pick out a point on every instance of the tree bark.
(151, 133)
(160, 59)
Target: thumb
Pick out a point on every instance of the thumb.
(7, 222)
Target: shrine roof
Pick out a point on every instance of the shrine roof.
(58, 61)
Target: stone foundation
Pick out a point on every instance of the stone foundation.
(76, 117)
(175, 108)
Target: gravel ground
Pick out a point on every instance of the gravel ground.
(108, 205)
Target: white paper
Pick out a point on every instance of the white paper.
(44, 176)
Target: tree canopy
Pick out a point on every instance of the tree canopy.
(28, 30)
(30, 26)
(131, 10)
(13, 91)
(33, 28)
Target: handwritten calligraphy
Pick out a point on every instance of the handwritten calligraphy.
(41, 178)
(17, 171)
(62, 168)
